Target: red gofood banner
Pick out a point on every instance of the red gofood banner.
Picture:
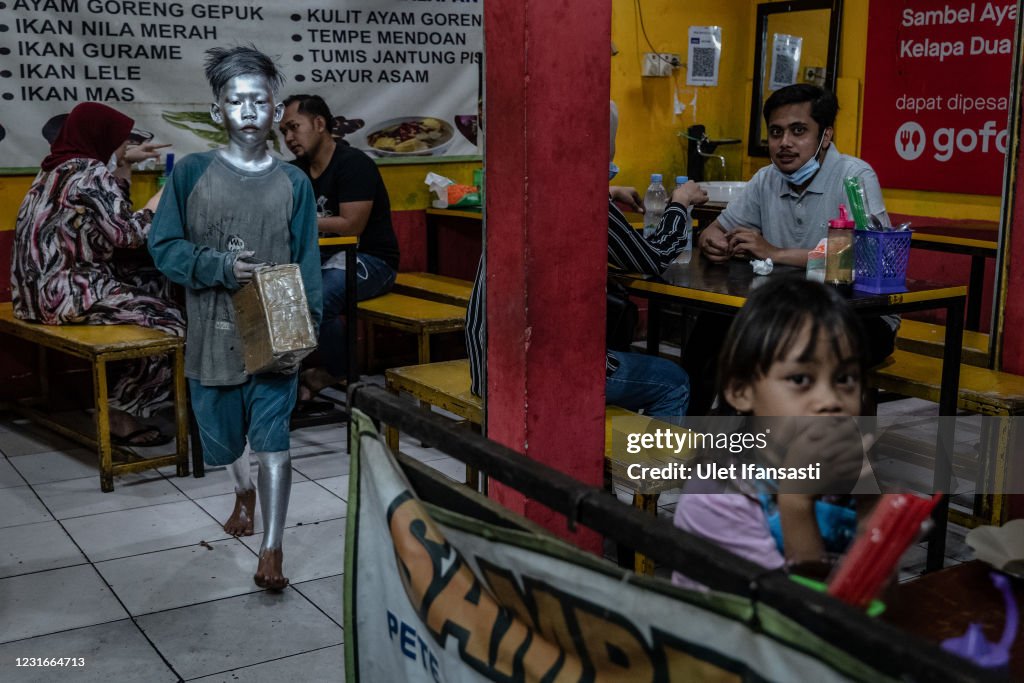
(937, 94)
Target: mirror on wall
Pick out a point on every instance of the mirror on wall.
(794, 42)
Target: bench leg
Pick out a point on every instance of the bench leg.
(370, 357)
(423, 347)
(472, 478)
(647, 502)
(427, 408)
(99, 383)
(44, 377)
(181, 412)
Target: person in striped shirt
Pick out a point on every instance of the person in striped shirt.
(634, 381)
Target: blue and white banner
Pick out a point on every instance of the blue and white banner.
(434, 596)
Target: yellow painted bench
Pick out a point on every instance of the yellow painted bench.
(102, 344)
(446, 290)
(446, 385)
(929, 339)
(983, 391)
(410, 314)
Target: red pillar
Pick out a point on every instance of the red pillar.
(546, 155)
(1012, 359)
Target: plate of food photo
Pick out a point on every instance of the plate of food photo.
(409, 136)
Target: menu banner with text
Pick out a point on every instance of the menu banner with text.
(937, 94)
(401, 77)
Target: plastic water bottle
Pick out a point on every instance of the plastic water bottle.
(684, 255)
(168, 167)
(655, 200)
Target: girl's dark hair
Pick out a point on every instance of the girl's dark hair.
(222, 64)
(769, 323)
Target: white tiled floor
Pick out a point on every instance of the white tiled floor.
(146, 586)
(144, 583)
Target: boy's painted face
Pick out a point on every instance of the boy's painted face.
(806, 382)
(246, 109)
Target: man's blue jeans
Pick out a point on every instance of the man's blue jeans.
(655, 385)
(373, 278)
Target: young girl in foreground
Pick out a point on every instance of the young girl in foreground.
(794, 350)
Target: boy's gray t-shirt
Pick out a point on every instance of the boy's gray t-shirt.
(210, 211)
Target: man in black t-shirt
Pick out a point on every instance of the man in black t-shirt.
(351, 200)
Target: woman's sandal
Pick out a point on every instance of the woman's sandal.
(132, 439)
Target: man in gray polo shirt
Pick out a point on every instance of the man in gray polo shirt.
(783, 212)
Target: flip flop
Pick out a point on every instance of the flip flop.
(130, 439)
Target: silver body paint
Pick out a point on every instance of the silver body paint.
(248, 113)
(275, 487)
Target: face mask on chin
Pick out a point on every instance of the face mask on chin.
(805, 172)
(613, 170)
(112, 164)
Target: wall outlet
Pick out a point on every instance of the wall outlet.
(660, 63)
(814, 75)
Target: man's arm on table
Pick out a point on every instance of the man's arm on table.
(747, 243)
(352, 221)
(719, 245)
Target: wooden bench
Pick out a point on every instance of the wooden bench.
(446, 290)
(928, 339)
(446, 385)
(409, 314)
(102, 344)
(984, 391)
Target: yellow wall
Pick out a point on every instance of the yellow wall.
(404, 183)
(647, 140)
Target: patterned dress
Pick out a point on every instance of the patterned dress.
(62, 270)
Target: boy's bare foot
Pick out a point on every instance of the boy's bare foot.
(313, 381)
(241, 520)
(269, 571)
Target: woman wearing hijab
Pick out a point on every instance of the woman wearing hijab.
(75, 215)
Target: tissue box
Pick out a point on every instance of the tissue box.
(273, 320)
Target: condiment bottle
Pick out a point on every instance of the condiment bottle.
(839, 251)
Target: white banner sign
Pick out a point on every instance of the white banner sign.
(440, 597)
(385, 67)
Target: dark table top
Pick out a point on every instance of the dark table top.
(941, 604)
(728, 284)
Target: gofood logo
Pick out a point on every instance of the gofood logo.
(911, 141)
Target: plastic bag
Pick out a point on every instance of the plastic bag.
(450, 194)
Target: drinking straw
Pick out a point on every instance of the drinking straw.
(858, 197)
(853, 577)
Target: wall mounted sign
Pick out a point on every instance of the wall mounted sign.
(937, 94)
(387, 68)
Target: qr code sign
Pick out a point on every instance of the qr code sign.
(703, 63)
(785, 69)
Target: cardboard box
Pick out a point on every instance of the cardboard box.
(273, 320)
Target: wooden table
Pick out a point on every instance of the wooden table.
(940, 239)
(965, 237)
(723, 288)
(471, 216)
(941, 604)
